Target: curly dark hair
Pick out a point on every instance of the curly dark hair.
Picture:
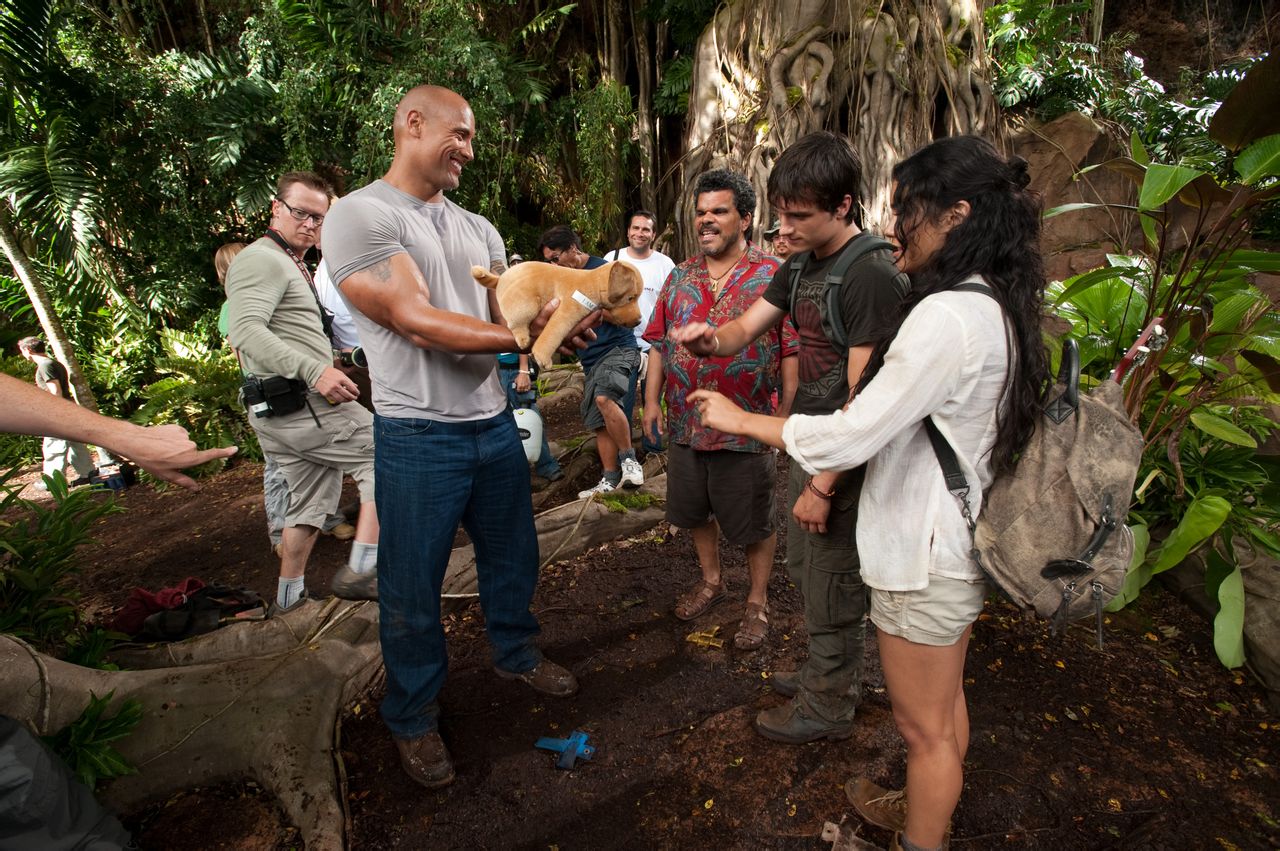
(744, 194)
(999, 240)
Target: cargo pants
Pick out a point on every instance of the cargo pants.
(826, 570)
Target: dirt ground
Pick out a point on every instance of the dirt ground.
(1147, 743)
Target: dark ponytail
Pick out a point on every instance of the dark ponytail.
(999, 240)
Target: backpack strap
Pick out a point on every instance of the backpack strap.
(946, 454)
(798, 262)
(862, 245)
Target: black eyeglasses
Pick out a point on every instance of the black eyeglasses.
(301, 215)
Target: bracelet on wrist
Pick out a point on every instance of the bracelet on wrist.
(715, 338)
(820, 493)
(522, 372)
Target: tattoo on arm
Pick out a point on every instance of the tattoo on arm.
(381, 270)
(497, 267)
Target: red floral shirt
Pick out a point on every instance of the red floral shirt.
(749, 378)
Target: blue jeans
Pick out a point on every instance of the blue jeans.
(547, 465)
(430, 477)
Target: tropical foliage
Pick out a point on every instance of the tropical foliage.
(1201, 398)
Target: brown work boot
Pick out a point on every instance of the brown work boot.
(877, 805)
(791, 724)
(546, 678)
(426, 760)
(785, 683)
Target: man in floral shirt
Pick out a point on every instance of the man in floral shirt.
(720, 482)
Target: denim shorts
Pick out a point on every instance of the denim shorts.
(937, 614)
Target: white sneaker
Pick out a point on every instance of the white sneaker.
(603, 486)
(632, 473)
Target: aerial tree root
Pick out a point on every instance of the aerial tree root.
(263, 699)
(259, 700)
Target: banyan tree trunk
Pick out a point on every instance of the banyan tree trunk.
(891, 76)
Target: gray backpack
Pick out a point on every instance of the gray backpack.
(1052, 535)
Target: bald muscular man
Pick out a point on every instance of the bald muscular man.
(447, 449)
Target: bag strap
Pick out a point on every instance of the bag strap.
(861, 245)
(326, 315)
(957, 484)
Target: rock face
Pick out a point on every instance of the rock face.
(1056, 152)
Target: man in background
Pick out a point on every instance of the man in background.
(59, 454)
(611, 364)
(654, 266)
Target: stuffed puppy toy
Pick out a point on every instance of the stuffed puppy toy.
(525, 288)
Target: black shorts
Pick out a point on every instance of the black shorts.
(737, 488)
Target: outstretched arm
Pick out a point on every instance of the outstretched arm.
(163, 451)
(727, 340)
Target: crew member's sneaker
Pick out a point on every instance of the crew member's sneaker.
(632, 473)
(603, 486)
(877, 805)
(350, 585)
(276, 609)
(426, 760)
(546, 678)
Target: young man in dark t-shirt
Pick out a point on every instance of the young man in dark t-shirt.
(810, 189)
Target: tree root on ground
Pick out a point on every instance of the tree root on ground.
(258, 699)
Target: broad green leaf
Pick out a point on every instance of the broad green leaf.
(1201, 520)
(1162, 183)
(1148, 230)
(1139, 574)
(1217, 567)
(1259, 160)
(1075, 285)
(1229, 311)
(1136, 150)
(1215, 426)
(1228, 626)
(1268, 541)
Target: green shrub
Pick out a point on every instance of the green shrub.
(38, 544)
(85, 744)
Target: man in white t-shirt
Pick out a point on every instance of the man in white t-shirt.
(654, 268)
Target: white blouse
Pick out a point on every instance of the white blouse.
(950, 360)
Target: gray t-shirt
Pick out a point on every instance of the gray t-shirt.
(445, 241)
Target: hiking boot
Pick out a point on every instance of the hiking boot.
(789, 723)
(632, 473)
(350, 585)
(545, 678)
(785, 683)
(276, 609)
(877, 805)
(426, 760)
(603, 486)
(343, 531)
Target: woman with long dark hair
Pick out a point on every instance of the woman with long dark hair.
(972, 359)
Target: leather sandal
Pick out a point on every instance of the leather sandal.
(753, 628)
(699, 600)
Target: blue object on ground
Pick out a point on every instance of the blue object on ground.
(571, 749)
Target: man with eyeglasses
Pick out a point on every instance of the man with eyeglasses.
(302, 405)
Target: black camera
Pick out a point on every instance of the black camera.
(274, 396)
(355, 357)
